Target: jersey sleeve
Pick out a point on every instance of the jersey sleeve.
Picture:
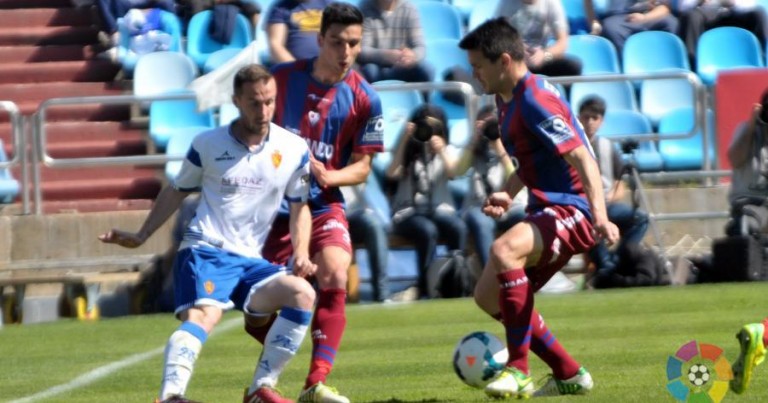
(190, 176)
(370, 137)
(298, 185)
(549, 119)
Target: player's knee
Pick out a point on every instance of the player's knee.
(504, 251)
(304, 295)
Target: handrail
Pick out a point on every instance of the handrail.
(466, 90)
(19, 153)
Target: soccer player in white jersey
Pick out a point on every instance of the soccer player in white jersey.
(243, 171)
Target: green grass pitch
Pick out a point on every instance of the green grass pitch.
(392, 353)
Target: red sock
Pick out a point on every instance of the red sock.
(765, 332)
(516, 303)
(545, 345)
(327, 328)
(260, 333)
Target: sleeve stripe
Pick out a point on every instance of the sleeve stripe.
(194, 157)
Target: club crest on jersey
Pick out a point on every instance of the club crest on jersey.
(556, 129)
(277, 158)
(374, 130)
(209, 287)
(314, 117)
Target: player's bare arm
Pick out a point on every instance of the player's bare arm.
(301, 229)
(168, 201)
(581, 159)
(353, 174)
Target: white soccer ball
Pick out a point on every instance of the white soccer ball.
(698, 375)
(478, 358)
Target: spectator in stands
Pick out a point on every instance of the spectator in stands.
(748, 154)
(626, 17)
(632, 222)
(490, 166)
(544, 28)
(393, 43)
(423, 208)
(110, 10)
(249, 8)
(367, 228)
(697, 16)
(292, 28)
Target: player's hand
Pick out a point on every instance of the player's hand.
(303, 267)
(497, 204)
(122, 238)
(608, 231)
(319, 171)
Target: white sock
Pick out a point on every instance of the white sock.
(182, 350)
(282, 342)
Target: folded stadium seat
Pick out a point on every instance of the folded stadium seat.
(227, 113)
(439, 20)
(397, 106)
(616, 94)
(687, 153)
(163, 72)
(445, 55)
(647, 157)
(218, 58)
(597, 54)
(9, 187)
(667, 50)
(577, 16)
(621, 122)
(465, 7)
(178, 145)
(726, 48)
(200, 44)
(482, 11)
(128, 59)
(658, 97)
(170, 117)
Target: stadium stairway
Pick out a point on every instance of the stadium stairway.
(48, 50)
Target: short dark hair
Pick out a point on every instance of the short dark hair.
(593, 104)
(494, 38)
(340, 13)
(250, 74)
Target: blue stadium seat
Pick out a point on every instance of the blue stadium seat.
(668, 52)
(465, 7)
(444, 55)
(726, 48)
(227, 113)
(482, 11)
(625, 123)
(687, 153)
(9, 187)
(597, 54)
(439, 20)
(577, 16)
(200, 44)
(163, 72)
(616, 94)
(658, 97)
(218, 58)
(397, 106)
(170, 24)
(460, 133)
(647, 157)
(169, 117)
(178, 145)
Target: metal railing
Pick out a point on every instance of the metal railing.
(19, 150)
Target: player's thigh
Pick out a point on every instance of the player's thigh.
(518, 247)
(332, 264)
(282, 291)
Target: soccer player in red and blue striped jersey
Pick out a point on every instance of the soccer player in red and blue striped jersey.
(339, 115)
(566, 208)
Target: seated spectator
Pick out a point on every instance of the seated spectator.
(632, 222)
(110, 10)
(292, 28)
(249, 8)
(490, 166)
(423, 209)
(626, 17)
(145, 28)
(393, 43)
(748, 154)
(544, 28)
(697, 16)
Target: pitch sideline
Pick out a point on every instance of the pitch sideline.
(101, 372)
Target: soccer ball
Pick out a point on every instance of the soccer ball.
(478, 358)
(698, 375)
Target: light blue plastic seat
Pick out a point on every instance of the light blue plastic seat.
(397, 107)
(576, 15)
(444, 55)
(482, 11)
(439, 20)
(685, 154)
(597, 54)
(200, 44)
(227, 113)
(169, 117)
(465, 7)
(659, 97)
(647, 157)
(170, 25)
(654, 51)
(726, 48)
(621, 122)
(178, 146)
(163, 72)
(616, 94)
(9, 187)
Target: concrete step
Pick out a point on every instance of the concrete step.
(97, 173)
(48, 53)
(82, 206)
(107, 188)
(37, 92)
(44, 35)
(25, 18)
(84, 112)
(77, 71)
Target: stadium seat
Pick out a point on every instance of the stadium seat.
(482, 11)
(169, 117)
(667, 49)
(687, 153)
(178, 146)
(200, 44)
(439, 20)
(647, 157)
(597, 54)
(726, 48)
(163, 72)
(227, 113)
(616, 94)
(658, 97)
(397, 106)
(577, 16)
(128, 59)
(444, 55)
(9, 187)
(218, 58)
(625, 123)
(460, 133)
(465, 7)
